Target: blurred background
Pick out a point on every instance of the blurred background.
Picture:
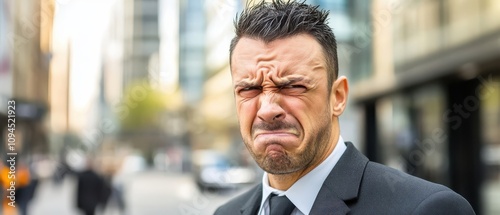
(127, 105)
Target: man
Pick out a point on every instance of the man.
(289, 98)
(91, 190)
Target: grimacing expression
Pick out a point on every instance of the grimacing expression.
(282, 101)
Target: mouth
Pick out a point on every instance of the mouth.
(277, 133)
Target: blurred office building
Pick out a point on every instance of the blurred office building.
(430, 93)
(192, 43)
(217, 113)
(26, 28)
(141, 38)
(85, 78)
(140, 105)
(141, 55)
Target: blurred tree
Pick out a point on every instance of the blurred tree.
(141, 107)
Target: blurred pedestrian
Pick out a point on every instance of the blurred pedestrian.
(91, 190)
(289, 98)
(17, 181)
(24, 194)
(114, 182)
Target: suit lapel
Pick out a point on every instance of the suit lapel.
(251, 207)
(327, 203)
(342, 184)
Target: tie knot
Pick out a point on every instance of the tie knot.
(280, 205)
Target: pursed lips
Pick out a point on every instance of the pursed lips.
(276, 133)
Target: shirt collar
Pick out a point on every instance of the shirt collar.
(303, 192)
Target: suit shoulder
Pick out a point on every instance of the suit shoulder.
(444, 202)
(397, 181)
(234, 205)
(394, 190)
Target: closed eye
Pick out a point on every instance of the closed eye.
(293, 89)
(249, 92)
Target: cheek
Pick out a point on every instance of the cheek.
(246, 114)
(308, 113)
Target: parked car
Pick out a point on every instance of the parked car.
(212, 170)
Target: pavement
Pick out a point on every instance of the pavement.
(155, 193)
(52, 198)
(150, 193)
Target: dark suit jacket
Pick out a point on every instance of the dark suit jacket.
(358, 186)
(89, 190)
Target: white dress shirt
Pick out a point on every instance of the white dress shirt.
(303, 192)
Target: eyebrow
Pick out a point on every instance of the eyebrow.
(244, 84)
(292, 80)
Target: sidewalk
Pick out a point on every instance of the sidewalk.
(51, 198)
(146, 193)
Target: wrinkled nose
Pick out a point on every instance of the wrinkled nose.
(270, 109)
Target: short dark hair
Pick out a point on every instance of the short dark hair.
(268, 21)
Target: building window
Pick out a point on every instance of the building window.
(412, 134)
(490, 117)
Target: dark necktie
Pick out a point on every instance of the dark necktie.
(280, 205)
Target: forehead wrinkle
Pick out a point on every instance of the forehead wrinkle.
(294, 59)
(318, 65)
(267, 60)
(273, 61)
(250, 79)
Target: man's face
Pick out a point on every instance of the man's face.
(282, 101)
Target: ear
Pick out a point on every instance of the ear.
(338, 97)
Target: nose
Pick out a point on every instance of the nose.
(270, 109)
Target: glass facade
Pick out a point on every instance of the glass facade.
(419, 131)
(350, 21)
(426, 27)
(430, 93)
(490, 154)
(192, 29)
(360, 46)
(412, 135)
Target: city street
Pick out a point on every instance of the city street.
(155, 193)
(146, 193)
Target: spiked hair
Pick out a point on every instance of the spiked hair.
(278, 19)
